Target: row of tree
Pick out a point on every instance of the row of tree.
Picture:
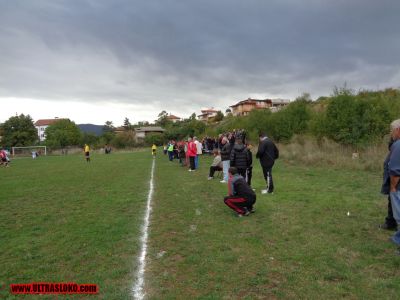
(349, 118)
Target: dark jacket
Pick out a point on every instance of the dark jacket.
(226, 151)
(267, 153)
(240, 157)
(239, 187)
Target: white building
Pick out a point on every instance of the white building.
(41, 126)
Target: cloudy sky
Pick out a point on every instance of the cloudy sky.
(98, 60)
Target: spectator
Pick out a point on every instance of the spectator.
(170, 150)
(249, 171)
(199, 151)
(239, 157)
(394, 172)
(225, 157)
(390, 222)
(216, 164)
(191, 152)
(267, 154)
(241, 198)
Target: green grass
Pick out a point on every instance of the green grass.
(63, 220)
(300, 243)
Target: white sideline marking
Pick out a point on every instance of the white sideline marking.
(137, 289)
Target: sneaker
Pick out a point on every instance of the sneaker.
(266, 192)
(190, 170)
(239, 215)
(252, 211)
(209, 178)
(246, 213)
(223, 181)
(388, 227)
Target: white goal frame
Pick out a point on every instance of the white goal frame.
(29, 147)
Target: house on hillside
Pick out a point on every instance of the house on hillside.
(207, 114)
(173, 118)
(242, 108)
(142, 132)
(277, 104)
(42, 124)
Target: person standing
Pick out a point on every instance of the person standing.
(225, 157)
(267, 154)
(87, 152)
(154, 150)
(191, 152)
(199, 151)
(390, 222)
(394, 173)
(171, 151)
(240, 157)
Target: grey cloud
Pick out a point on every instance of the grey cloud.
(202, 51)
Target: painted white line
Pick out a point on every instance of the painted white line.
(138, 292)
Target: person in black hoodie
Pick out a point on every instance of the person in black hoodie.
(241, 198)
(267, 154)
(240, 157)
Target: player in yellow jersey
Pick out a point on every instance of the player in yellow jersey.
(87, 152)
(154, 150)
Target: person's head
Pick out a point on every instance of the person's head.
(189, 139)
(224, 140)
(395, 129)
(215, 152)
(232, 171)
(195, 138)
(262, 135)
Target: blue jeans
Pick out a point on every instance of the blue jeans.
(395, 198)
(225, 166)
(196, 161)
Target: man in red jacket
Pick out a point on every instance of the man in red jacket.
(191, 152)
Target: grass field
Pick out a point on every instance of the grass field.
(63, 220)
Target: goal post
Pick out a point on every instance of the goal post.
(27, 151)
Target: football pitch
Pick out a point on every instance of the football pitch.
(64, 220)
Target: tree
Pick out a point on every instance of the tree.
(63, 133)
(127, 124)
(19, 131)
(163, 119)
(108, 132)
(219, 117)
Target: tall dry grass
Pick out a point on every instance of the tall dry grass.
(308, 151)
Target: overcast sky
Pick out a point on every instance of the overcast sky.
(96, 60)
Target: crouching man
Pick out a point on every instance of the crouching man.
(241, 198)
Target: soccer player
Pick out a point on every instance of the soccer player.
(241, 197)
(87, 153)
(154, 150)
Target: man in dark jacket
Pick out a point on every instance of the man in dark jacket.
(241, 197)
(267, 154)
(240, 157)
(390, 222)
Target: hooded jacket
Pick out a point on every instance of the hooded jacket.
(237, 186)
(240, 157)
(267, 152)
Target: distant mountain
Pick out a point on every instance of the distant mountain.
(91, 128)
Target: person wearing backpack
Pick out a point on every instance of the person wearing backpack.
(267, 154)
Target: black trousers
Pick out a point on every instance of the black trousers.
(213, 169)
(267, 171)
(249, 174)
(390, 220)
(242, 172)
